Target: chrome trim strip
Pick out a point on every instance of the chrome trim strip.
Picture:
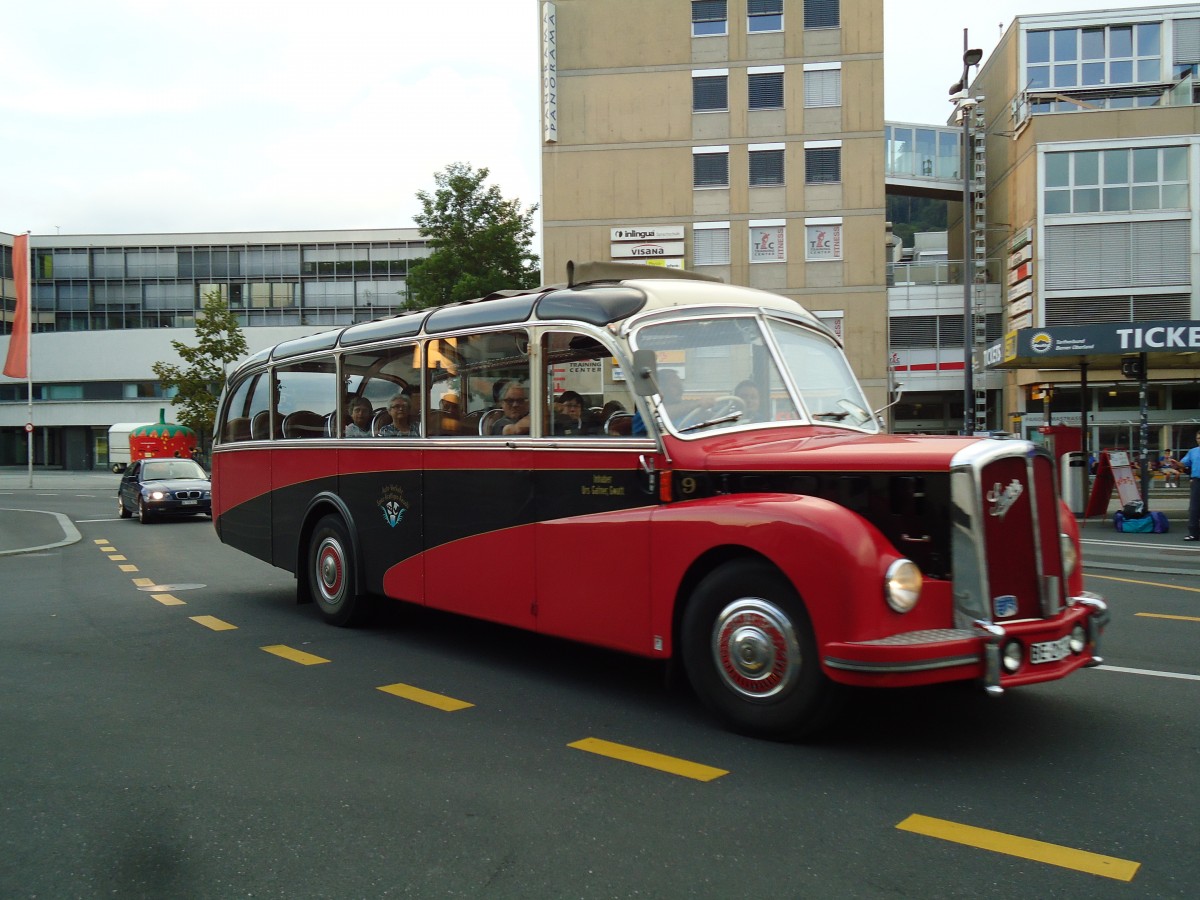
(884, 668)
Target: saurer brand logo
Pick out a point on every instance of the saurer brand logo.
(1003, 498)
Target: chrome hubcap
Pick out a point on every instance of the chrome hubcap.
(755, 648)
(330, 572)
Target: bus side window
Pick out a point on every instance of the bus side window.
(307, 392)
(584, 398)
(236, 426)
(473, 378)
(258, 409)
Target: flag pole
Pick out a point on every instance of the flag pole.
(29, 358)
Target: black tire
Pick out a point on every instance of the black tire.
(330, 574)
(144, 514)
(121, 510)
(750, 653)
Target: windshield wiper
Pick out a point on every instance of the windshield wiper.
(836, 416)
(719, 420)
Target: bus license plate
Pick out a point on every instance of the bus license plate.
(189, 502)
(1050, 651)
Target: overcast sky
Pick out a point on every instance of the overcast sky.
(229, 115)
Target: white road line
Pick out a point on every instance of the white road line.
(1154, 545)
(1180, 675)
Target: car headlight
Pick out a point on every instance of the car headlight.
(902, 585)
(157, 495)
(1069, 554)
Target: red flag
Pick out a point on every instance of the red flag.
(17, 363)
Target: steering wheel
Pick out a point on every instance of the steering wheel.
(725, 405)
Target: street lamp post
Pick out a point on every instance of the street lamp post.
(960, 94)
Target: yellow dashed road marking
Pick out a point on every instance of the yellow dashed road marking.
(437, 701)
(214, 623)
(650, 760)
(128, 567)
(1011, 845)
(117, 557)
(297, 656)
(100, 541)
(142, 582)
(168, 600)
(1165, 616)
(108, 548)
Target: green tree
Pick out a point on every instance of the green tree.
(198, 382)
(481, 242)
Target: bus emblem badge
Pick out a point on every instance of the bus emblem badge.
(1005, 605)
(393, 505)
(1002, 499)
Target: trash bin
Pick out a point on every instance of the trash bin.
(1070, 481)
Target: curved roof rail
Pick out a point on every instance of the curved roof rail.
(585, 272)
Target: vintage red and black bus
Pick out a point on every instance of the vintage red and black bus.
(713, 489)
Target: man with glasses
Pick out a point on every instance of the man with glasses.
(515, 404)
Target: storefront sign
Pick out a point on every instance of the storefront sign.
(768, 243)
(549, 73)
(822, 242)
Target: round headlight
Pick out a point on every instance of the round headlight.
(157, 495)
(1069, 554)
(1011, 656)
(902, 585)
(1078, 639)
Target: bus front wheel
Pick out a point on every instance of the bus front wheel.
(750, 652)
(331, 574)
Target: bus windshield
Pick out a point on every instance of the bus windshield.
(722, 372)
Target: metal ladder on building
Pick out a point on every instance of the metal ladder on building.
(977, 331)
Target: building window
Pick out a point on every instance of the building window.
(766, 88)
(766, 165)
(710, 167)
(1117, 180)
(710, 90)
(768, 241)
(708, 18)
(822, 14)
(710, 244)
(823, 86)
(822, 240)
(822, 165)
(764, 15)
(1098, 57)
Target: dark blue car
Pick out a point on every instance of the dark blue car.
(164, 487)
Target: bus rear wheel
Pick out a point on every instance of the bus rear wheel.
(331, 574)
(750, 652)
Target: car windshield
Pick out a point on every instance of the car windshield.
(721, 373)
(171, 468)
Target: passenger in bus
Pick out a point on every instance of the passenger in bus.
(402, 424)
(360, 418)
(515, 403)
(568, 414)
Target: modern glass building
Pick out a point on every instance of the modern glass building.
(105, 308)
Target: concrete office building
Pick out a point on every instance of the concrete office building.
(1093, 202)
(105, 308)
(742, 138)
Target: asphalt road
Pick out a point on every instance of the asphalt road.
(171, 724)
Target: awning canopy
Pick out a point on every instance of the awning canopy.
(1173, 344)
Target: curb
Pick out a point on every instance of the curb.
(71, 534)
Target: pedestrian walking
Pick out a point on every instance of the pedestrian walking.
(1190, 463)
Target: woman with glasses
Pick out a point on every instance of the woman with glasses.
(403, 423)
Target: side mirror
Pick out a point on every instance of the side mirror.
(645, 371)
